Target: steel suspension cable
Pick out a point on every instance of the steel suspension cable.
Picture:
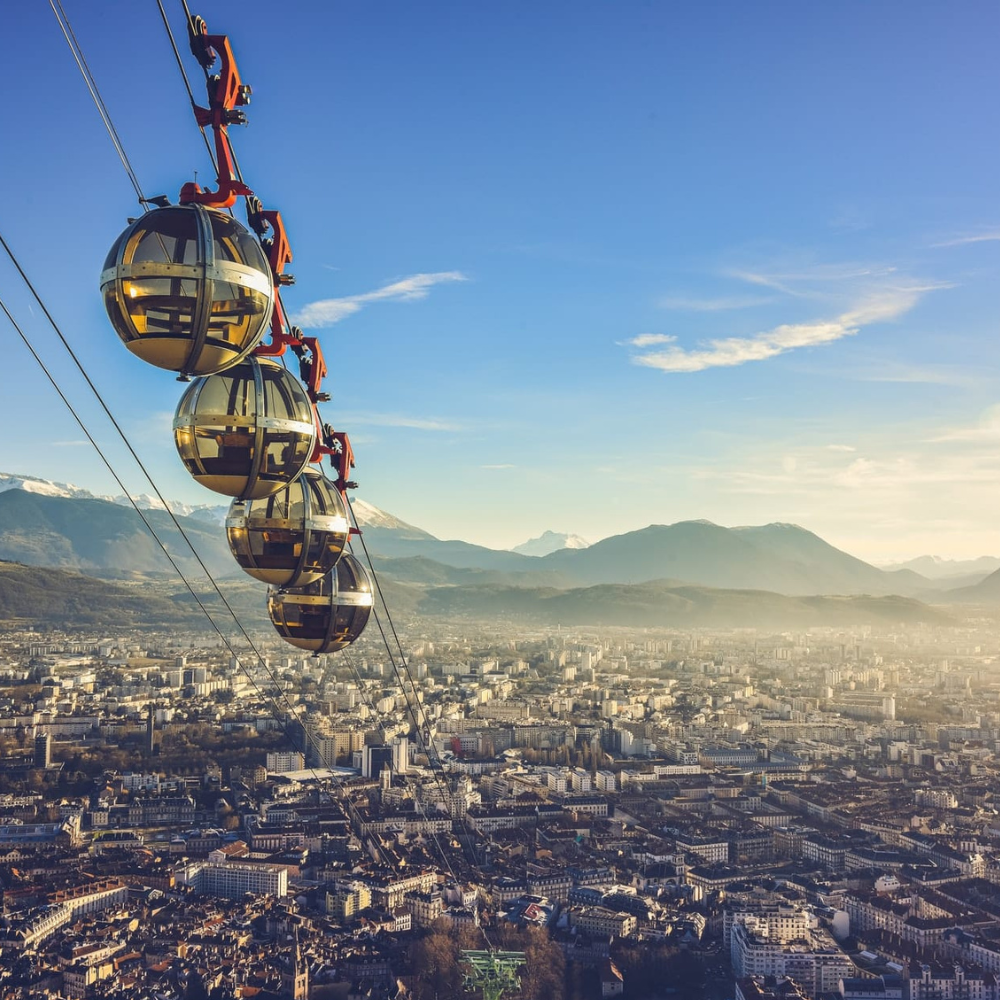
(88, 78)
(261, 660)
(366, 697)
(264, 697)
(399, 645)
(184, 77)
(142, 515)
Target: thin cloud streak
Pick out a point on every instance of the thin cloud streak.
(987, 430)
(326, 312)
(722, 304)
(651, 339)
(399, 420)
(784, 281)
(992, 236)
(729, 352)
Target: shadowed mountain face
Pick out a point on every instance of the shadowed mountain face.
(48, 597)
(100, 537)
(45, 597)
(986, 592)
(783, 558)
(659, 605)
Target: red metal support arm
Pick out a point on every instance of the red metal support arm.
(226, 94)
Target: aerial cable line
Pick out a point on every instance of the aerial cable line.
(88, 78)
(266, 698)
(419, 726)
(262, 662)
(399, 646)
(184, 76)
(428, 751)
(145, 520)
(406, 699)
(366, 697)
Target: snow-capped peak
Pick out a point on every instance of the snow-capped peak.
(550, 541)
(214, 513)
(31, 484)
(370, 516)
(45, 487)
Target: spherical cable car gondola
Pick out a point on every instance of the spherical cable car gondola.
(190, 290)
(187, 288)
(246, 432)
(291, 538)
(326, 615)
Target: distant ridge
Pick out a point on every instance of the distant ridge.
(936, 568)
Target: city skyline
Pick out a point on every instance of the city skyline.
(580, 269)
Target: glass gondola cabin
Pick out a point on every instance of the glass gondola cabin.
(293, 537)
(246, 432)
(188, 289)
(327, 615)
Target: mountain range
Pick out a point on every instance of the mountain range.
(688, 572)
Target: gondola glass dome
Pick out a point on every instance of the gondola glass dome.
(246, 432)
(293, 537)
(326, 615)
(187, 288)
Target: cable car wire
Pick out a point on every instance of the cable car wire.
(184, 77)
(399, 646)
(278, 714)
(261, 660)
(88, 78)
(142, 515)
(366, 697)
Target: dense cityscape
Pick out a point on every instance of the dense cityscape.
(737, 813)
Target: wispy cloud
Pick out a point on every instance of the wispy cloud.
(651, 339)
(505, 465)
(398, 420)
(918, 374)
(989, 236)
(326, 312)
(987, 429)
(798, 282)
(849, 219)
(720, 304)
(731, 351)
(841, 447)
(69, 444)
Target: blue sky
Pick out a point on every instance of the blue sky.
(580, 266)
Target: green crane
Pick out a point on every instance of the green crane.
(493, 973)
